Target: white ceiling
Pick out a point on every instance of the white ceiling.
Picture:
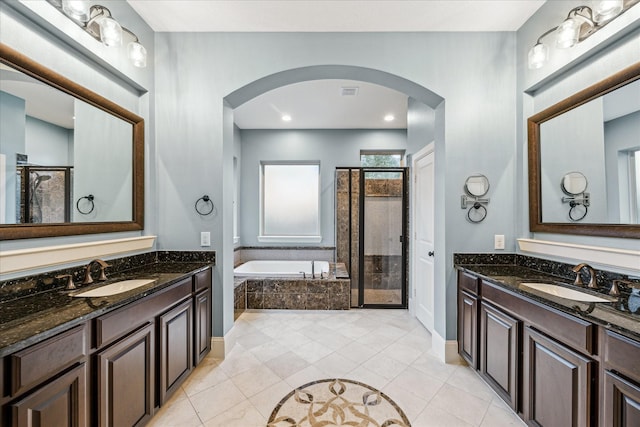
(334, 15)
(318, 104)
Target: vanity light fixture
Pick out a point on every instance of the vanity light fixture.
(98, 21)
(581, 22)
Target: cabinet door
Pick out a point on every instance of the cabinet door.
(125, 380)
(202, 325)
(176, 347)
(499, 351)
(468, 328)
(63, 402)
(621, 402)
(557, 383)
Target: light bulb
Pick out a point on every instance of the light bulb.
(567, 33)
(538, 56)
(110, 32)
(286, 117)
(606, 10)
(137, 54)
(76, 9)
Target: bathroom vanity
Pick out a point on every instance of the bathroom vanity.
(555, 361)
(104, 360)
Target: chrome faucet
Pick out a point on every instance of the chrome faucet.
(592, 275)
(313, 269)
(87, 272)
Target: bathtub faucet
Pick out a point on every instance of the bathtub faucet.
(313, 269)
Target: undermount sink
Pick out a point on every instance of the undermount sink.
(114, 288)
(562, 292)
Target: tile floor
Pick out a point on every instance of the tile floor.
(276, 351)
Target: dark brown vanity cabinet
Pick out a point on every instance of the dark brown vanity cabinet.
(543, 362)
(125, 380)
(557, 383)
(468, 318)
(113, 370)
(621, 382)
(46, 384)
(500, 351)
(176, 348)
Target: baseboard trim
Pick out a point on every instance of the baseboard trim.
(217, 347)
(445, 351)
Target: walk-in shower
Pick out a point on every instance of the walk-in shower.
(371, 234)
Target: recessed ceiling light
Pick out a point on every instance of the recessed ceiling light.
(389, 118)
(286, 118)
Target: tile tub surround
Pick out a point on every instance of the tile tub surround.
(239, 297)
(36, 307)
(509, 271)
(296, 293)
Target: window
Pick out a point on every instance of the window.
(387, 158)
(290, 202)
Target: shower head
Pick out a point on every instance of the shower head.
(43, 178)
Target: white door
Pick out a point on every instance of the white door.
(423, 226)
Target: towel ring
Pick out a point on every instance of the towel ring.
(477, 207)
(89, 200)
(207, 200)
(572, 212)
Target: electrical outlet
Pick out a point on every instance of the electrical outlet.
(498, 241)
(205, 238)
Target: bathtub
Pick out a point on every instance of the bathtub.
(280, 268)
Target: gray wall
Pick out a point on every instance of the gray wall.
(12, 138)
(570, 70)
(473, 72)
(621, 135)
(333, 148)
(48, 144)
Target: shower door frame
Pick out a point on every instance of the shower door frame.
(404, 238)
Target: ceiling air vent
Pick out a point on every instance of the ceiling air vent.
(349, 91)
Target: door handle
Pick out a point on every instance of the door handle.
(430, 253)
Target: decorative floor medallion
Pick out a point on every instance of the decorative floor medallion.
(337, 402)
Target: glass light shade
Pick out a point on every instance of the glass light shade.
(538, 56)
(606, 10)
(568, 33)
(110, 32)
(76, 9)
(137, 54)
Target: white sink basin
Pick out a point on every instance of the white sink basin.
(562, 292)
(114, 288)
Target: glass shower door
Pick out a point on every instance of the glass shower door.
(382, 230)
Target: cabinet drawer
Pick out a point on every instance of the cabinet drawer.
(578, 333)
(622, 354)
(202, 280)
(41, 361)
(117, 323)
(468, 282)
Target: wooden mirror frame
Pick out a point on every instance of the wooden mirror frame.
(20, 62)
(603, 87)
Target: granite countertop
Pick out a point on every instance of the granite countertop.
(622, 314)
(30, 319)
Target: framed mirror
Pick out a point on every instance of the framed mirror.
(71, 161)
(596, 132)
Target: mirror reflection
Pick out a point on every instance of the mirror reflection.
(56, 149)
(602, 139)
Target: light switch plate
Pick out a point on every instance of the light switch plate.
(498, 241)
(205, 238)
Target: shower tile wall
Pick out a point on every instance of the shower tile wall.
(347, 225)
